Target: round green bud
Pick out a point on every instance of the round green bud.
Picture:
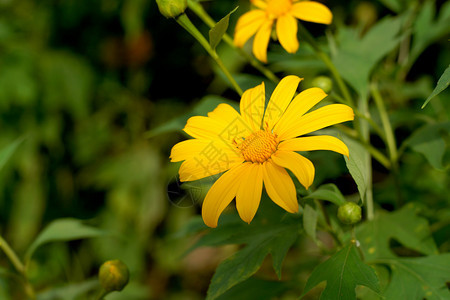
(323, 82)
(113, 275)
(349, 213)
(171, 8)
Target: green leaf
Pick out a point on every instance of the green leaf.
(63, 230)
(426, 30)
(216, 33)
(442, 84)
(8, 151)
(70, 291)
(207, 104)
(254, 288)
(362, 54)
(343, 272)
(428, 140)
(419, 278)
(402, 225)
(357, 165)
(328, 192)
(310, 221)
(261, 241)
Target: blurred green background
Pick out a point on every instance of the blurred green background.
(87, 90)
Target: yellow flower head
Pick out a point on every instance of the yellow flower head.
(283, 13)
(255, 146)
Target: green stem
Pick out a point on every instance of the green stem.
(326, 59)
(12, 256)
(197, 8)
(19, 266)
(374, 125)
(389, 133)
(184, 21)
(102, 294)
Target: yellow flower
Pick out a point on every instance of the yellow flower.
(283, 13)
(255, 146)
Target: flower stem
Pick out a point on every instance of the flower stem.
(184, 21)
(197, 8)
(390, 138)
(326, 59)
(18, 265)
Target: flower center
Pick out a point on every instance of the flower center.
(259, 146)
(277, 8)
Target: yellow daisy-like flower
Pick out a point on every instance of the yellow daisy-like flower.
(283, 13)
(256, 145)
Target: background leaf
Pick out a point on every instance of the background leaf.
(260, 242)
(343, 272)
(419, 278)
(442, 84)
(63, 230)
(357, 165)
(216, 33)
(310, 221)
(328, 192)
(428, 140)
(402, 225)
(8, 151)
(363, 53)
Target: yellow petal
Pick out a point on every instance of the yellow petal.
(223, 123)
(249, 193)
(279, 186)
(320, 118)
(247, 25)
(280, 99)
(302, 167)
(252, 106)
(221, 194)
(311, 143)
(216, 157)
(262, 41)
(287, 33)
(233, 125)
(298, 107)
(259, 3)
(187, 149)
(312, 11)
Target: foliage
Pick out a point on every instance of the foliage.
(93, 95)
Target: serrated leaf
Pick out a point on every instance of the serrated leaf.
(254, 288)
(343, 272)
(442, 84)
(429, 142)
(310, 221)
(419, 278)
(63, 230)
(328, 192)
(8, 151)
(364, 53)
(216, 33)
(275, 240)
(426, 30)
(402, 225)
(205, 105)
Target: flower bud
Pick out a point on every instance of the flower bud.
(323, 82)
(171, 8)
(349, 213)
(113, 275)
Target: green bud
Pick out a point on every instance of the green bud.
(349, 213)
(113, 275)
(171, 8)
(323, 82)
